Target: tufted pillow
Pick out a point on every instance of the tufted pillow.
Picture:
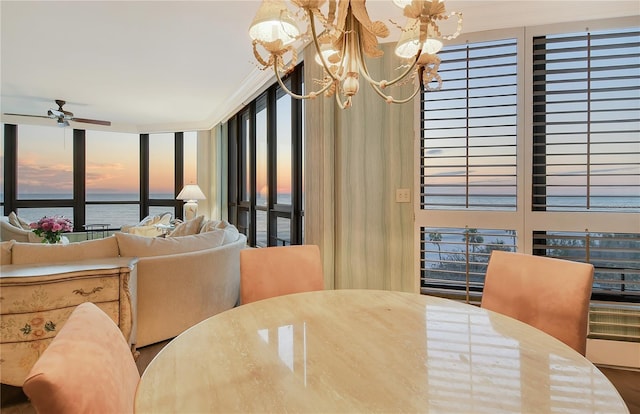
(188, 227)
(5, 251)
(138, 246)
(16, 221)
(29, 253)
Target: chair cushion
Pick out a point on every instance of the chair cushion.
(29, 253)
(546, 293)
(131, 245)
(273, 271)
(87, 368)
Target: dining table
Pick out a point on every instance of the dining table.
(373, 351)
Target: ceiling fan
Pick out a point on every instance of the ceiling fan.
(63, 117)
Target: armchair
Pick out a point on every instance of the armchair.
(9, 231)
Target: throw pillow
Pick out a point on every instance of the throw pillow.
(231, 233)
(209, 225)
(131, 245)
(29, 253)
(187, 228)
(16, 221)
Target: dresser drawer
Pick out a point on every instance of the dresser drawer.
(33, 326)
(52, 294)
(25, 336)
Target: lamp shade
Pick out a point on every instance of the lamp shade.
(409, 42)
(191, 192)
(272, 22)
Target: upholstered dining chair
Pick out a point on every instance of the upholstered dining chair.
(549, 294)
(273, 271)
(87, 368)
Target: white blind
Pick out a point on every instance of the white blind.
(468, 146)
(586, 121)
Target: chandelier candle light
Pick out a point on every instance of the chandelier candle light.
(348, 36)
(191, 193)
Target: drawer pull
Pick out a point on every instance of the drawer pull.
(83, 293)
(48, 327)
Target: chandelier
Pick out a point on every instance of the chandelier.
(347, 35)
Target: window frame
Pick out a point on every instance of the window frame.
(241, 135)
(524, 220)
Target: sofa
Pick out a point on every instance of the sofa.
(182, 279)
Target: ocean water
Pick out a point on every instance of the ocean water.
(117, 215)
(114, 215)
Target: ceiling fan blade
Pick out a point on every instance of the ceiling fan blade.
(31, 116)
(91, 121)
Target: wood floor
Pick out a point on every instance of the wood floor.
(626, 381)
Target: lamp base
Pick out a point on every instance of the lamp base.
(190, 210)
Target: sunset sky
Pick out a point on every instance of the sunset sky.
(45, 160)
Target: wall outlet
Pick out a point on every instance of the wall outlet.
(403, 195)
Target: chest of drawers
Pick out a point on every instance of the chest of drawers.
(36, 300)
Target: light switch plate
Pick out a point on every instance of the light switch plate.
(403, 195)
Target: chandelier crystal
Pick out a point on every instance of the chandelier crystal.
(347, 35)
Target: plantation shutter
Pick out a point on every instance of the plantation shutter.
(468, 145)
(586, 121)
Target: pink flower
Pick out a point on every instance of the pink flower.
(50, 228)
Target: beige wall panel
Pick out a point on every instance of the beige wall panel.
(372, 234)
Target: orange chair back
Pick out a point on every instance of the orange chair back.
(550, 294)
(274, 271)
(87, 368)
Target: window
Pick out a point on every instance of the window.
(568, 187)
(265, 167)
(586, 129)
(469, 130)
(92, 176)
(112, 178)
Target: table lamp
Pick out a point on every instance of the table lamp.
(191, 193)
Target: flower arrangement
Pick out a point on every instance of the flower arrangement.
(51, 228)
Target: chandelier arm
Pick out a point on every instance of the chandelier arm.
(365, 71)
(311, 95)
(325, 65)
(391, 99)
(340, 103)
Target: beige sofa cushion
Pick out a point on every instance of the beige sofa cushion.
(5, 251)
(188, 227)
(29, 253)
(137, 246)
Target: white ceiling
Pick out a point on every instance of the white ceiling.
(152, 66)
